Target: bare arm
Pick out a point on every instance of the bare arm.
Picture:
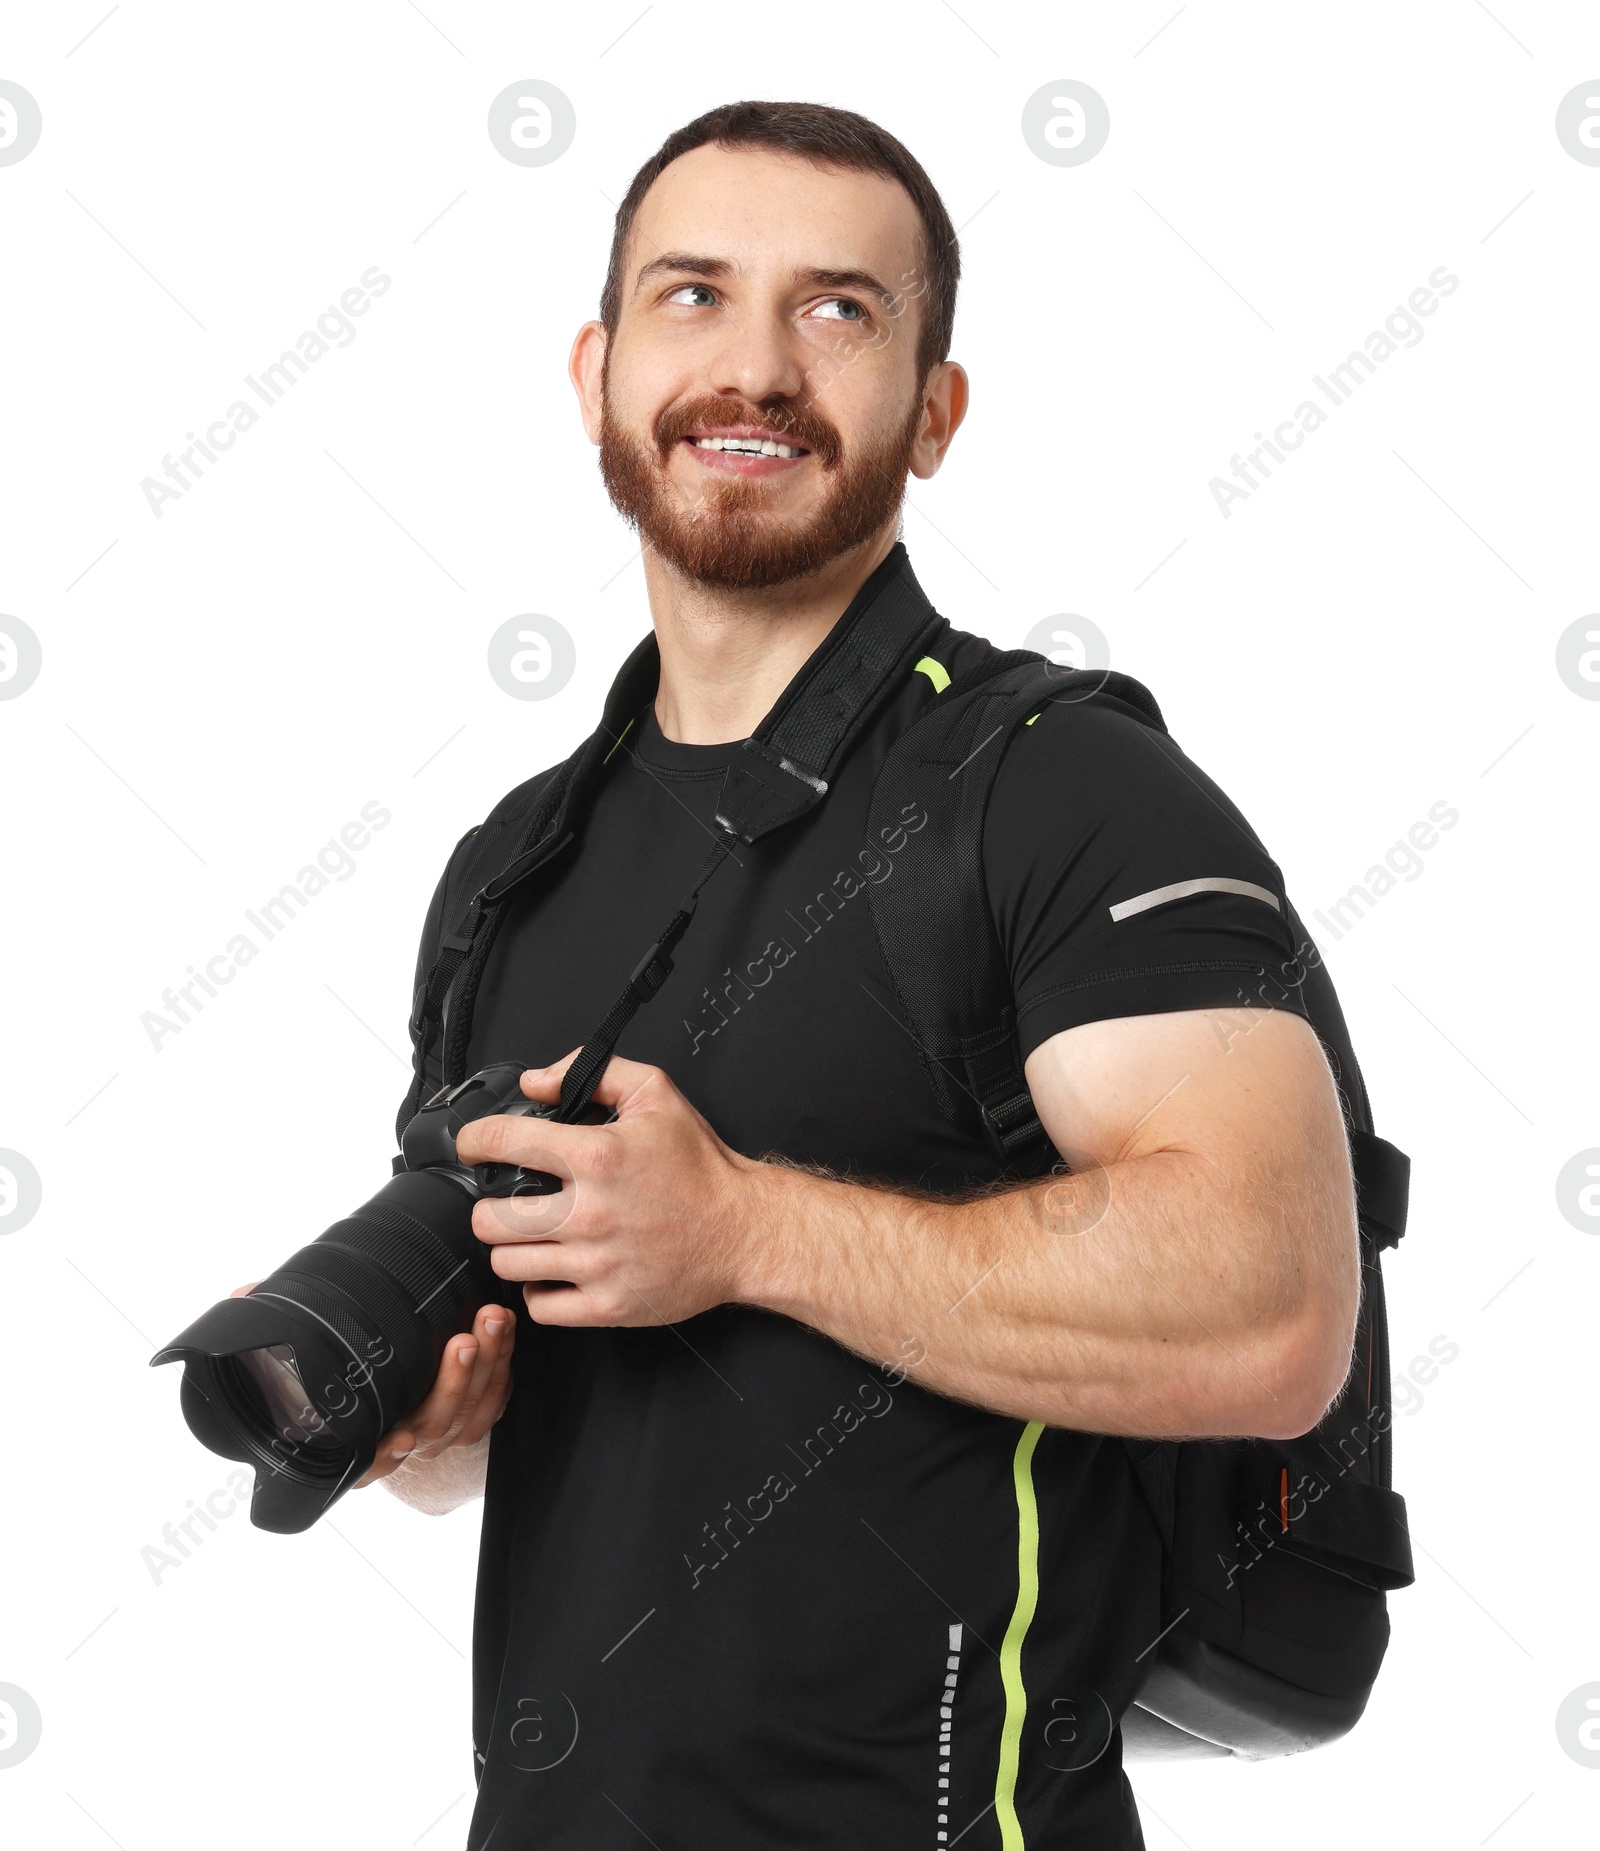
(1197, 1274)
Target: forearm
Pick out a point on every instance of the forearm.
(441, 1484)
(1151, 1297)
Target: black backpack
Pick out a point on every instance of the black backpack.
(1277, 1555)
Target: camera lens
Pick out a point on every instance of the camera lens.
(303, 1375)
(288, 1408)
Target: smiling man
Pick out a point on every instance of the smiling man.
(807, 1522)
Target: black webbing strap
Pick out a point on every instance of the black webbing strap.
(1332, 1515)
(996, 1080)
(652, 970)
(1383, 1186)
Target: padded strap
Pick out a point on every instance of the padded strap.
(934, 921)
(790, 759)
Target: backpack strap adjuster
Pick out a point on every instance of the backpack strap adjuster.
(652, 970)
(1383, 1187)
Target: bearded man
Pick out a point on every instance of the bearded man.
(807, 1515)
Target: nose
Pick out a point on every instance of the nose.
(760, 358)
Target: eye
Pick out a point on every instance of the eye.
(847, 302)
(674, 293)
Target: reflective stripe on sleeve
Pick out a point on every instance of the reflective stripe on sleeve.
(1180, 890)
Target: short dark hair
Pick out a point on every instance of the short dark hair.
(829, 138)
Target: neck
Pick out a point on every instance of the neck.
(726, 656)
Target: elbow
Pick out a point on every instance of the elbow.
(1305, 1367)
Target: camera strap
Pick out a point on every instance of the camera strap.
(779, 774)
(648, 975)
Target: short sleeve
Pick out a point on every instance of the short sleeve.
(1122, 881)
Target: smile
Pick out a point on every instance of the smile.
(744, 452)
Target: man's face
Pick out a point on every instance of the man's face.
(753, 310)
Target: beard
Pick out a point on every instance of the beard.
(730, 536)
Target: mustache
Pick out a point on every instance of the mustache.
(790, 424)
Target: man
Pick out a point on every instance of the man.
(806, 1519)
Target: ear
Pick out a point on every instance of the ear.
(944, 405)
(583, 369)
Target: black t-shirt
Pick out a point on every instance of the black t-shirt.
(739, 1587)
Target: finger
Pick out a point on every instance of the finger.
(463, 1382)
(569, 1308)
(526, 1262)
(534, 1143)
(239, 1291)
(489, 1328)
(544, 1083)
(496, 1390)
(431, 1421)
(496, 1219)
(461, 1386)
(629, 1085)
(620, 1080)
(467, 1399)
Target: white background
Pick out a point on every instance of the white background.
(1374, 631)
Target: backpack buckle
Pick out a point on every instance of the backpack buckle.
(1012, 1126)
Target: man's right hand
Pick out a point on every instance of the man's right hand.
(468, 1396)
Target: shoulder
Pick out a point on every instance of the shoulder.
(499, 832)
(521, 801)
(1105, 752)
(1097, 742)
(1096, 810)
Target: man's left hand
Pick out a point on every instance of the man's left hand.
(655, 1217)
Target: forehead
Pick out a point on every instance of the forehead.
(770, 214)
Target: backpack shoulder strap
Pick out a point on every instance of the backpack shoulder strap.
(934, 927)
(528, 827)
(936, 930)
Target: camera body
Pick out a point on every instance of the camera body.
(303, 1376)
(429, 1141)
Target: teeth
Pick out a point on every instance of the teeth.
(746, 446)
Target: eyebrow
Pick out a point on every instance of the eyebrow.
(688, 263)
